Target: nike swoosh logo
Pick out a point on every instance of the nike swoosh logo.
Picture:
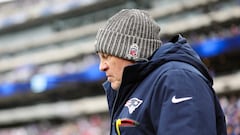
(179, 100)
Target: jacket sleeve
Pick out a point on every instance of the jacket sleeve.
(182, 104)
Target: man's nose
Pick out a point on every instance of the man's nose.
(103, 66)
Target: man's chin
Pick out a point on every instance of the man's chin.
(114, 86)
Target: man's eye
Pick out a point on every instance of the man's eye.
(105, 56)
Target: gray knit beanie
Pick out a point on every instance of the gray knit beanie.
(130, 34)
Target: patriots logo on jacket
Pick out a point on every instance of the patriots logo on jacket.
(132, 104)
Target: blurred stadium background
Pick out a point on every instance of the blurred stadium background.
(49, 78)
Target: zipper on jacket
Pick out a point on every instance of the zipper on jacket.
(112, 113)
(114, 109)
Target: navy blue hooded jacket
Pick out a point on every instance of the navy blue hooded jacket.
(171, 94)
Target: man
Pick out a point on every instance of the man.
(153, 90)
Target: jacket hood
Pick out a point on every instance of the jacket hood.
(176, 49)
(176, 46)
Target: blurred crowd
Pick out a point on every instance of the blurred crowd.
(26, 72)
(90, 125)
(231, 108)
(20, 11)
(33, 78)
(217, 32)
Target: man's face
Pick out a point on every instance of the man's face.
(113, 67)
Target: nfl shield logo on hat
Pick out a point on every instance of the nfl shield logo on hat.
(133, 51)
